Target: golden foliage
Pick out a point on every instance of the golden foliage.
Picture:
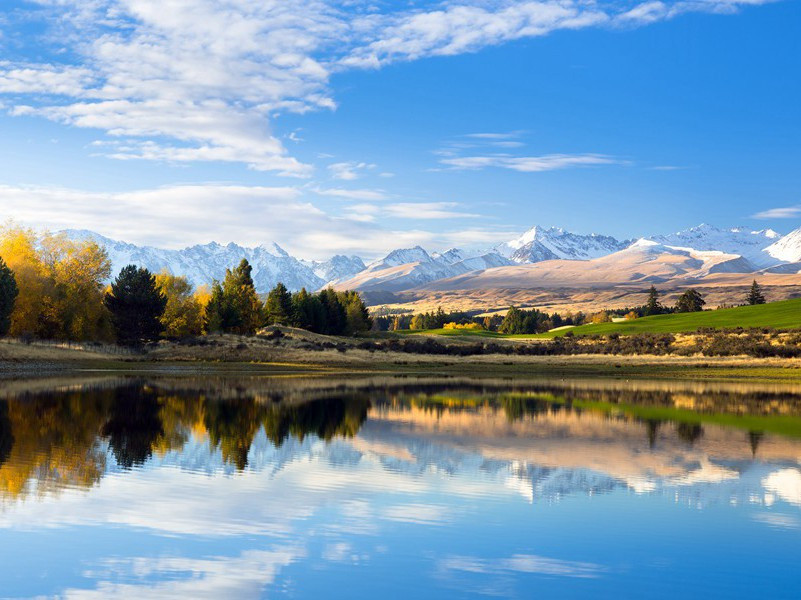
(183, 315)
(60, 285)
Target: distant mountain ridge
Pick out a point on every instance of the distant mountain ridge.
(701, 250)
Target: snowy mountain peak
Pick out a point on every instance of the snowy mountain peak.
(787, 248)
(402, 256)
(741, 241)
(551, 243)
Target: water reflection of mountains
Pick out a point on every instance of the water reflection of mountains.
(544, 439)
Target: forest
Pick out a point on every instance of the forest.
(55, 288)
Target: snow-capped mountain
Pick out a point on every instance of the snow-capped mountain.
(337, 267)
(409, 267)
(204, 263)
(698, 252)
(787, 248)
(551, 243)
(751, 245)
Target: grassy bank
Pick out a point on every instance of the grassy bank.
(785, 314)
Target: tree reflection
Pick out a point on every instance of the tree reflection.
(689, 432)
(6, 435)
(231, 426)
(754, 438)
(652, 427)
(134, 425)
(57, 439)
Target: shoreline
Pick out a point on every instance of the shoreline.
(31, 361)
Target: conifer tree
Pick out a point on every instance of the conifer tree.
(136, 306)
(652, 306)
(242, 307)
(8, 296)
(755, 295)
(278, 307)
(216, 310)
(335, 319)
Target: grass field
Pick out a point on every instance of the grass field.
(779, 315)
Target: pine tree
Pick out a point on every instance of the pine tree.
(652, 306)
(8, 296)
(357, 317)
(690, 301)
(214, 321)
(755, 295)
(242, 307)
(136, 306)
(278, 307)
(335, 320)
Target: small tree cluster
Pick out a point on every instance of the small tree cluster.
(519, 321)
(690, 301)
(328, 311)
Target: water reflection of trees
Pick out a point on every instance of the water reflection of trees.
(55, 440)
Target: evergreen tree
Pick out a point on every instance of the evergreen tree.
(652, 306)
(136, 306)
(335, 320)
(690, 301)
(307, 311)
(357, 317)
(8, 296)
(216, 310)
(755, 295)
(278, 307)
(241, 306)
(513, 321)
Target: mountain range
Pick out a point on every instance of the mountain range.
(540, 258)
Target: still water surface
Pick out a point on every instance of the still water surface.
(398, 487)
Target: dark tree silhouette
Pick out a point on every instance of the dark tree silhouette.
(690, 301)
(8, 296)
(134, 425)
(136, 306)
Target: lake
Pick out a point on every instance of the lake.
(398, 487)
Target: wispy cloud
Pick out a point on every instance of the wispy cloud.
(427, 210)
(203, 80)
(530, 164)
(371, 195)
(348, 171)
(248, 215)
(787, 212)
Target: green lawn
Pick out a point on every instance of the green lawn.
(780, 315)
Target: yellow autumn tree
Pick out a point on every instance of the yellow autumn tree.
(183, 315)
(60, 285)
(18, 247)
(77, 271)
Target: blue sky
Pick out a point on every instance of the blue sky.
(349, 126)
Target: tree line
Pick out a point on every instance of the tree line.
(52, 287)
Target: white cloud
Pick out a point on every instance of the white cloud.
(371, 195)
(426, 210)
(530, 164)
(201, 80)
(787, 212)
(183, 215)
(348, 171)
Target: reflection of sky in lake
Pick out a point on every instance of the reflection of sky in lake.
(425, 504)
